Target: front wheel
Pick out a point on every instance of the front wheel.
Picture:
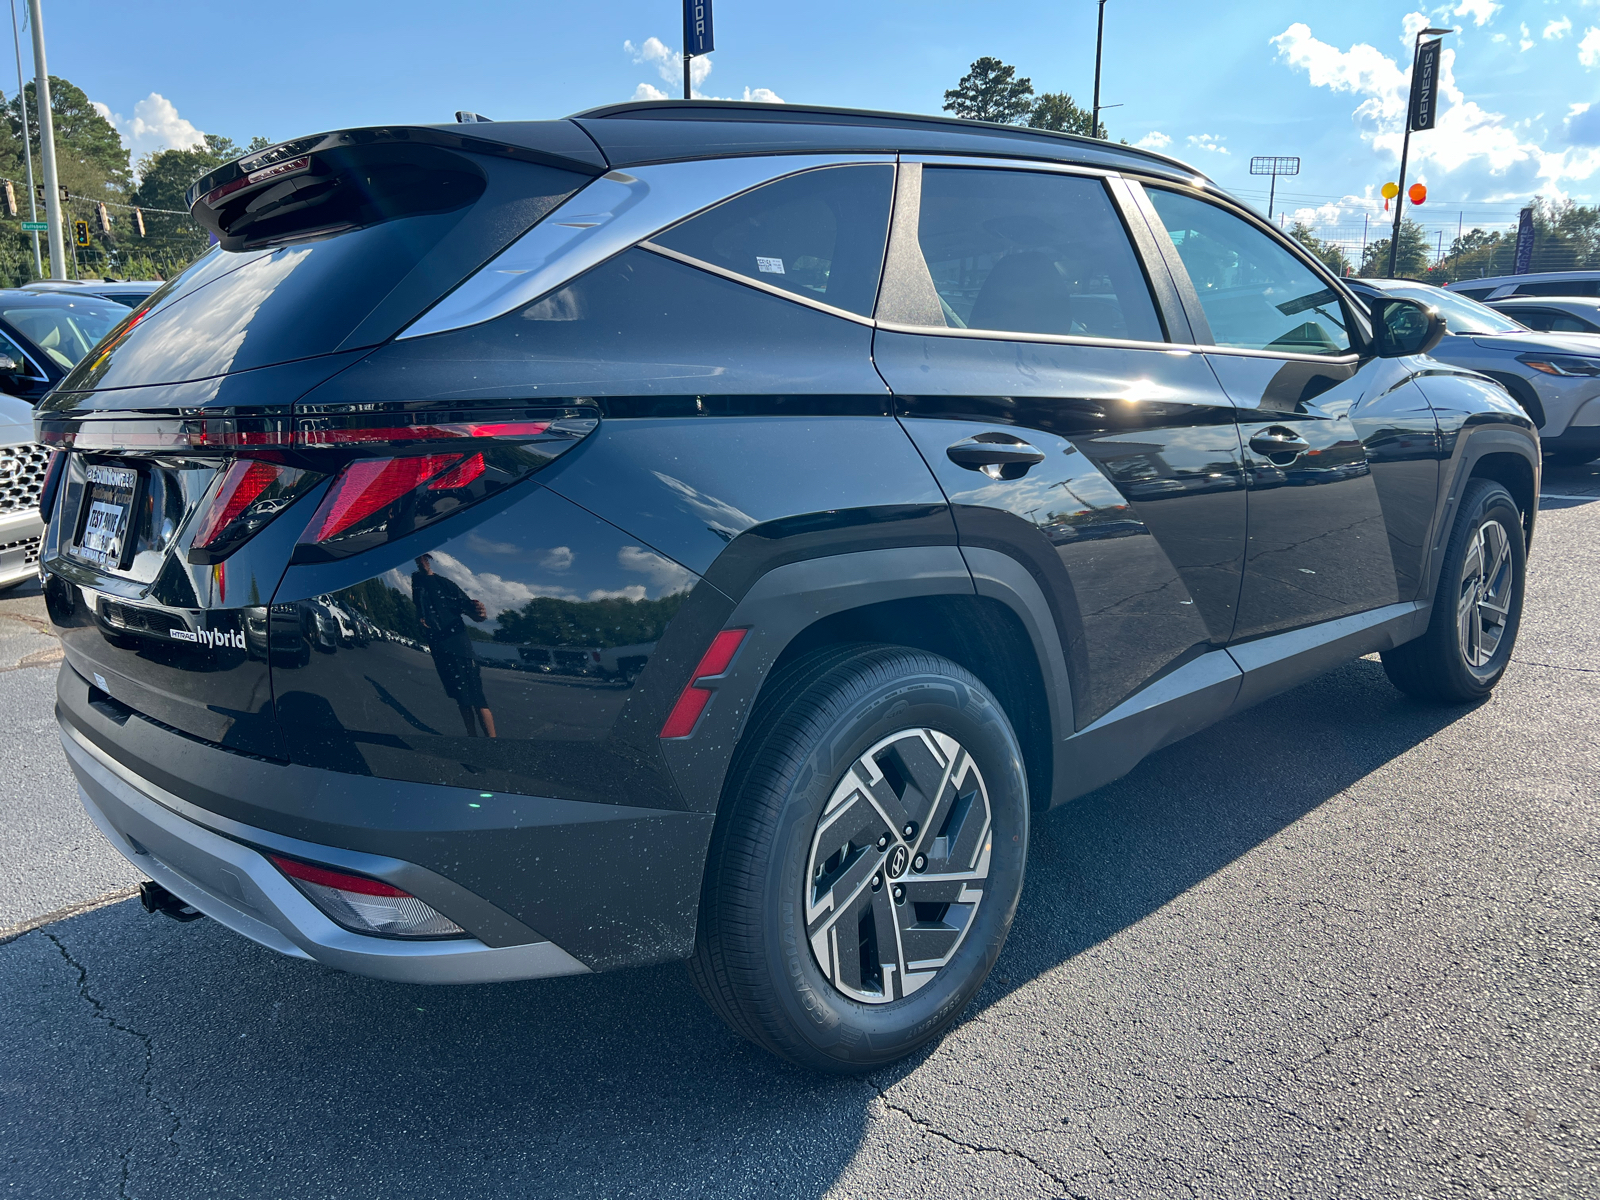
(1477, 607)
(866, 867)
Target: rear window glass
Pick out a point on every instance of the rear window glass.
(819, 235)
(1561, 287)
(1473, 293)
(1029, 252)
(233, 311)
(64, 334)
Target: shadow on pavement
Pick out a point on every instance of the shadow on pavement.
(241, 1073)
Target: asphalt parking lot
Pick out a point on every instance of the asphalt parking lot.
(1342, 945)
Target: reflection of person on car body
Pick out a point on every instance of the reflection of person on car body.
(440, 607)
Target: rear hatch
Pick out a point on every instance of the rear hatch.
(188, 480)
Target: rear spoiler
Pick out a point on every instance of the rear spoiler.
(220, 199)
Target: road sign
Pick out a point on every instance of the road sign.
(35, 227)
(1425, 86)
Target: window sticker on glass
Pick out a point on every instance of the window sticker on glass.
(769, 266)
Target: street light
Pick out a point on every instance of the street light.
(1099, 41)
(1405, 145)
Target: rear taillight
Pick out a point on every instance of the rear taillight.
(366, 905)
(52, 483)
(696, 694)
(438, 463)
(245, 497)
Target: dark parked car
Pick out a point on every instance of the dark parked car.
(927, 474)
(43, 335)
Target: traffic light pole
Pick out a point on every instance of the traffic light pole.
(47, 147)
(27, 142)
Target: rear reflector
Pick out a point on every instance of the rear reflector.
(696, 695)
(366, 905)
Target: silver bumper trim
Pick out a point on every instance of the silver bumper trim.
(237, 887)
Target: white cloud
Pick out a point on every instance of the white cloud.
(1481, 11)
(1526, 43)
(1154, 140)
(669, 65)
(665, 575)
(1589, 47)
(1206, 141)
(1466, 134)
(1558, 29)
(1499, 37)
(154, 126)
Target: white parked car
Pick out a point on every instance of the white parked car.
(1540, 283)
(22, 467)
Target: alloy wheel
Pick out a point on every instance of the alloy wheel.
(1484, 604)
(897, 865)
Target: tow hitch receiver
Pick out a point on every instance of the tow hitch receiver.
(156, 899)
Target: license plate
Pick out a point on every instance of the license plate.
(106, 515)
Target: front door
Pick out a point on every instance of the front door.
(1318, 424)
(1031, 366)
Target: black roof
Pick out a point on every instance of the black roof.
(661, 130)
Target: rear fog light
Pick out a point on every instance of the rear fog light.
(366, 905)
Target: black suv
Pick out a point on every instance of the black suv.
(709, 531)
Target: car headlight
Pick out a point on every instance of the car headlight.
(1561, 364)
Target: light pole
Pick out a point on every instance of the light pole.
(27, 142)
(1099, 43)
(47, 148)
(1405, 145)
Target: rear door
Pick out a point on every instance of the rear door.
(1016, 320)
(1316, 420)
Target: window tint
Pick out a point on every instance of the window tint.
(1565, 323)
(11, 350)
(819, 234)
(65, 333)
(1029, 252)
(1256, 295)
(1559, 287)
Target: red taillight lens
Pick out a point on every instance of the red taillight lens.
(369, 484)
(695, 695)
(366, 905)
(52, 482)
(246, 497)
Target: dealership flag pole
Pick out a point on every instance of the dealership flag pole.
(697, 39)
(1420, 115)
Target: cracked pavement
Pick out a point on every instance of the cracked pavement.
(1344, 945)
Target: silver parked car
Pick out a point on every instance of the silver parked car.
(22, 468)
(1541, 283)
(132, 292)
(1552, 314)
(1554, 376)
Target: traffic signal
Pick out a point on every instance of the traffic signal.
(10, 195)
(138, 221)
(103, 218)
(38, 191)
(80, 232)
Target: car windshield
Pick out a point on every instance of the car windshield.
(65, 332)
(1460, 314)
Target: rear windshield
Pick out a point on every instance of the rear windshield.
(1461, 313)
(335, 289)
(64, 333)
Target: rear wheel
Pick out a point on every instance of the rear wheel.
(868, 860)
(1477, 607)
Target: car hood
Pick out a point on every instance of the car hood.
(16, 421)
(1535, 342)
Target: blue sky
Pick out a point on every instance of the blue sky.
(1323, 82)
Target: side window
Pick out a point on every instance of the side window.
(1561, 287)
(1474, 293)
(1560, 322)
(1256, 295)
(819, 235)
(1534, 318)
(10, 348)
(1030, 252)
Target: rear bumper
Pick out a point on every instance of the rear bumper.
(234, 884)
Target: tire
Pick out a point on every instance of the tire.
(825, 995)
(1476, 609)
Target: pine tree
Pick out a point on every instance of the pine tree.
(1332, 256)
(1057, 111)
(1412, 260)
(990, 91)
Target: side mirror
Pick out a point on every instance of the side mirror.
(1401, 326)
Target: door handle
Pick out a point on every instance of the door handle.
(1278, 442)
(997, 455)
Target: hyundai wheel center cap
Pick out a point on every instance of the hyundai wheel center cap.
(899, 859)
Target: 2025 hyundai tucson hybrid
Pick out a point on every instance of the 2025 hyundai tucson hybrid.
(712, 531)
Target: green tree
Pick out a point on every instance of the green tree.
(1412, 260)
(1058, 112)
(164, 179)
(991, 91)
(1331, 255)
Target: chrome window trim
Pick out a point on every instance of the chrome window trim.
(1009, 164)
(1052, 339)
(701, 265)
(613, 213)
